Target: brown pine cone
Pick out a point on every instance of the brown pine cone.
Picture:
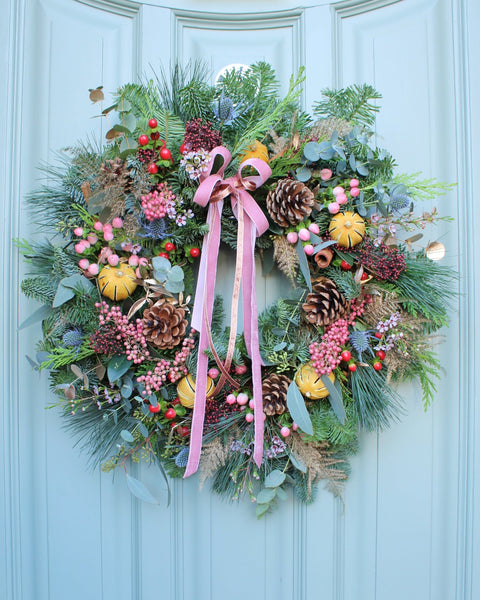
(325, 303)
(164, 324)
(290, 202)
(274, 390)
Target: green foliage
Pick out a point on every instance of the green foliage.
(353, 104)
(376, 403)
(427, 289)
(345, 283)
(40, 288)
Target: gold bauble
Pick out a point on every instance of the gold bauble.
(310, 384)
(347, 229)
(186, 390)
(117, 283)
(256, 150)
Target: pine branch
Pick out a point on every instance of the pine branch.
(352, 104)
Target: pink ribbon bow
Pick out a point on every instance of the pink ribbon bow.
(252, 223)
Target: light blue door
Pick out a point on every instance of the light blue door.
(407, 527)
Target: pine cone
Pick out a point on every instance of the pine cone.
(274, 390)
(164, 324)
(325, 304)
(290, 202)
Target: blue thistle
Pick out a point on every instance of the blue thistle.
(225, 110)
(399, 199)
(155, 230)
(73, 338)
(182, 457)
(360, 342)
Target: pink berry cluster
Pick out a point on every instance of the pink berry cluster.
(341, 196)
(130, 334)
(89, 239)
(303, 232)
(166, 370)
(326, 354)
(157, 203)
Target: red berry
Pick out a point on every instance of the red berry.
(377, 365)
(152, 123)
(169, 247)
(240, 369)
(176, 401)
(163, 254)
(152, 168)
(381, 354)
(345, 266)
(143, 140)
(165, 154)
(184, 431)
(154, 409)
(183, 149)
(346, 355)
(170, 413)
(194, 252)
(364, 276)
(352, 367)
(155, 135)
(378, 335)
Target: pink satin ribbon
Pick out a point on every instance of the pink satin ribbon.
(213, 190)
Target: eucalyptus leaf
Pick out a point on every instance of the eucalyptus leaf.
(121, 128)
(279, 346)
(139, 490)
(311, 151)
(297, 408)
(282, 494)
(261, 509)
(176, 274)
(64, 294)
(118, 366)
(127, 436)
(174, 287)
(335, 398)
(126, 390)
(274, 479)
(266, 495)
(352, 162)
(39, 315)
(303, 174)
(382, 209)
(96, 202)
(278, 331)
(362, 169)
(143, 429)
(130, 122)
(302, 258)
(298, 464)
(123, 105)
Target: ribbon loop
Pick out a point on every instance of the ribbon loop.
(213, 189)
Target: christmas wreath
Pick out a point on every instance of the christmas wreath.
(137, 346)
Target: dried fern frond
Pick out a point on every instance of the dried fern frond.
(214, 456)
(286, 257)
(320, 463)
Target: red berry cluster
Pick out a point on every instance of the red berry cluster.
(383, 261)
(199, 135)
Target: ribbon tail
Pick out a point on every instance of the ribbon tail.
(250, 316)
(202, 314)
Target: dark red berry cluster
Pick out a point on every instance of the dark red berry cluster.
(105, 340)
(215, 411)
(147, 155)
(199, 135)
(385, 262)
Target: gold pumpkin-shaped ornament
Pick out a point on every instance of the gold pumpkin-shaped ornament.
(186, 390)
(117, 283)
(347, 229)
(310, 384)
(256, 150)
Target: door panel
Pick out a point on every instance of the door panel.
(407, 511)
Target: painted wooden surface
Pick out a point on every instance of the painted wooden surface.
(408, 526)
